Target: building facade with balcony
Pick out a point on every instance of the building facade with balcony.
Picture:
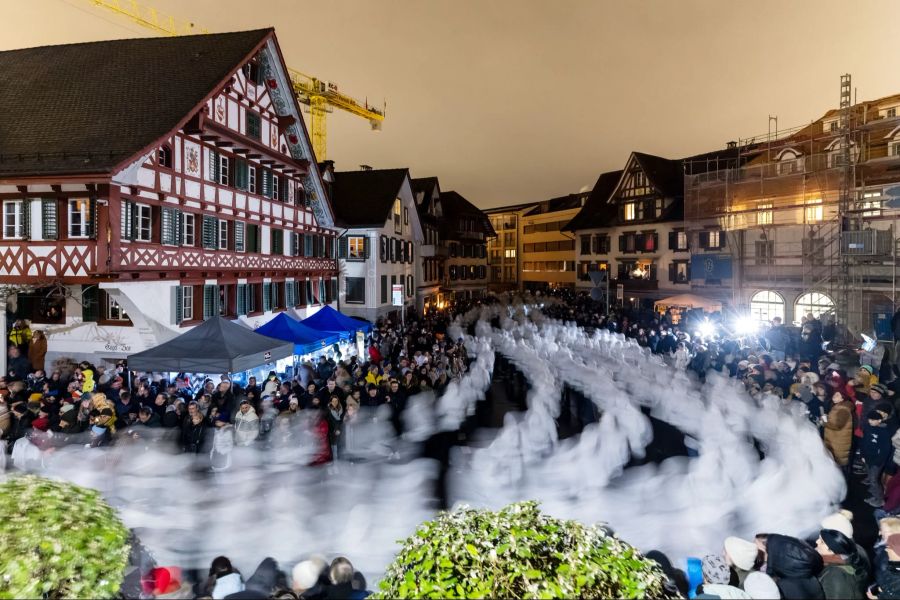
(381, 243)
(465, 231)
(777, 211)
(505, 250)
(190, 192)
(433, 252)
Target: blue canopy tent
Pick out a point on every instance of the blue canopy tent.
(330, 320)
(306, 339)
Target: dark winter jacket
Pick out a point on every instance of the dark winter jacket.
(887, 573)
(192, 437)
(840, 581)
(262, 583)
(794, 565)
(876, 444)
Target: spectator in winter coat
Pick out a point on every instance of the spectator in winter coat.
(777, 339)
(263, 583)
(795, 566)
(742, 556)
(17, 365)
(887, 561)
(839, 429)
(193, 434)
(246, 424)
(843, 575)
(717, 578)
(877, 451)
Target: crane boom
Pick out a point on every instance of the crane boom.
(320, 95)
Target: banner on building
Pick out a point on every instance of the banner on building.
(711, 266)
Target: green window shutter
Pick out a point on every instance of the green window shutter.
(258, 245)
(210, 231)
(92, 218)
(49, 228)
(277, 241)
(179, 227)
(267, 183)
(309, 296)
(179, 304)
(267, 297)
(239, 238)
(242, 299)
(213, 166)
(343, 247)
(210, 301)
(241, 174)
(90, 303)
(322, 291)
(168, 222)
(288, 292)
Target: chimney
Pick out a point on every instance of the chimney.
(365, 168)
(731, 145)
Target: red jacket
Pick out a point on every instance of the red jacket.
(323, 456)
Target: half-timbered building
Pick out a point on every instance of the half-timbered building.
(149, 184)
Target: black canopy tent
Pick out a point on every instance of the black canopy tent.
(215, 346)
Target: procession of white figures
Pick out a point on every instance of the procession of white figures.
(268, 503)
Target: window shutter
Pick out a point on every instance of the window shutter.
(49, 228)
(90, 303)
(621, 243)
(671, 268)
(267, 183)
(179, 304)
(623, 273)
(25, 221)
(343, 247)
(179, 227)
(127, 217)
(411, 251)
(210, 298)
(213, 174)
(92, 218)
(366, 250)
(721, 239)
(704, 239)
(653, 271)
(688, 272)
(673, 241)
(383, 253)
(242, 299)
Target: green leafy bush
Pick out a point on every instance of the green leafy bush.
(58, 540)
(517, 553)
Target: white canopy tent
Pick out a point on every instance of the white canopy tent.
(688, 301)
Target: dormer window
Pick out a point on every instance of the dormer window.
(788, 161)
(630, 211)
(836, 153)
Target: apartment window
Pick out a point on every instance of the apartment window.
(766, 305)
(405, 216)
(871, 204)
(510, 253)
(79, 218)
(189, 229)
(253, 125)
(165, 157)
(895, 149)
(765, 252)
(765, 214)
(114, 312)
(630, 211)
(787, 167)
(398, 228)
(224, 168)
(384, 289)
(356, 290)
(187, 302)
(681, 240)
(251, 179)
(276, 186)
(208, 234)
(891, 113)
(356, 248)
(48, 219)
(210, 301)
(816, 303)
(714, 237)
(680, 271)
(143, 223)
(267, 297)
(585, 244)
(13, 219)
(223, 235)
(833, 126)
(813, 212)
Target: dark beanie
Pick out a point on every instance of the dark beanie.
(837, 542)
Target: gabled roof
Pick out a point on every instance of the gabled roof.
(558, 204)
(86, 108)
(509, 208)
(365, 198)
(666, 175)
(454, 205)
(427, 186)
(597, 210)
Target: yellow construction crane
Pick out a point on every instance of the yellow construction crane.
(321, 96)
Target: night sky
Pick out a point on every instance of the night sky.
(517, 101)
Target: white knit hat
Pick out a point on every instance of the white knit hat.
(306, 574)
(743, 553)
(840, 521)
(760, 586)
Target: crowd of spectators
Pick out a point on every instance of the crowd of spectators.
(848, 393)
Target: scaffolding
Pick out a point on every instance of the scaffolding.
(801, 210)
